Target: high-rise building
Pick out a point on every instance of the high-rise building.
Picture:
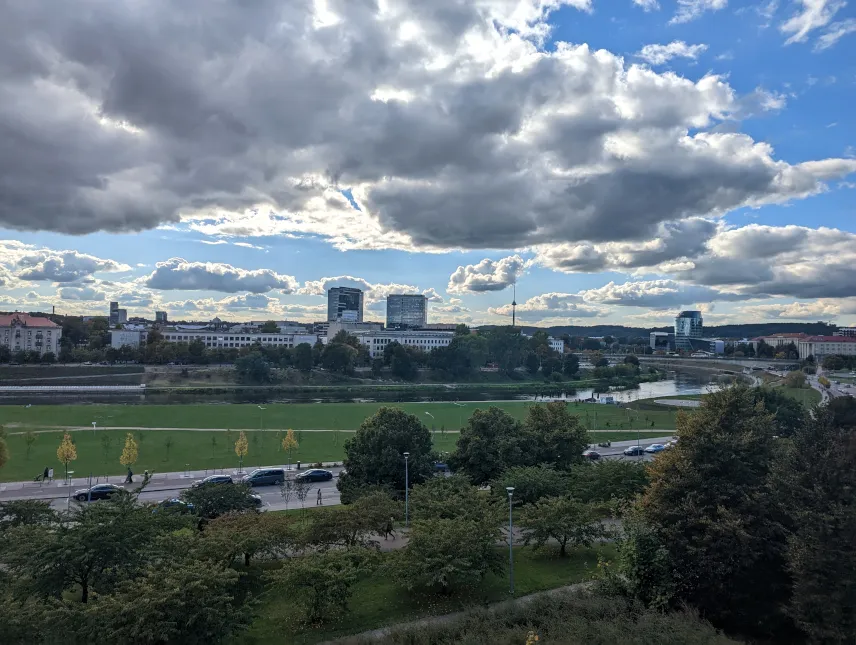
(345, 304)
(688, 325)
(160, 317)
(114, 313)
(121, 316)
(406, 310)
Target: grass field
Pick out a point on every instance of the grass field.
(304, 416)
(98, 453)
(808, 396)
(378, 601)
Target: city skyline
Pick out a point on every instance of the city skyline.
(618, 162)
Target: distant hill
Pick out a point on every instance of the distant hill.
(721, 331)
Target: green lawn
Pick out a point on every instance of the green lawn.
(378, 601)
(304, 416)
(808, 396)
(188, 447)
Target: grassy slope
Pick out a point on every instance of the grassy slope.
(320, 416)
(808, 396)
(378, 601)
(189, 447)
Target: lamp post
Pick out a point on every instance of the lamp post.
(406, 490)
(261, 417)
(510, 490)
(93, 426)
(433, 426)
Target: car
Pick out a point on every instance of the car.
(213, 479)
(315, 475)
(257, 500)
(591, 454)
(264, 477)
(633, 451)
(441, 467)
(174, 505)
(655, 447)
(99, 491)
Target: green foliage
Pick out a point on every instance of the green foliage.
(815, 481)
(322, 583)
(607, 480)
(449, 498)
(303, 357)
(375, 454)
(338, 357)
(708, 506)
(213, 500)
(4, 452)
(446, 554)
(248, 535)
(270, 327)
(506, 347)
(401, 363)
(795, 379)
(353, 526)
(788, 413)
(26, 512)
(565, 520)
(532, 363)
(462, 358)
(490, 442)
(843, 411)
(531, 483)
(559, 437)
(631, 359)
(253, 368)
(571, 365)
(832, 362)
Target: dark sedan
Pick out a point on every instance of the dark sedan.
(173, 505)
(634, 451)
(213, 479)
(99, 491)
(591, 454)
(315, 475)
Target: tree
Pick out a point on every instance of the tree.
(444, 554)
(375, 454)
(551, 365)
(709, 511)
(167, 444)
(289, 444)
(253, 368)
(338, 357)
(843, 411)
(401, 363)
(570, 365)
(632, 359)
(303, 357)
(591, 344)
(241, 448)
(29, 440)
(507, 347)
(270, 327)
(301, 491)
(213, 500)
(795, 379)
(130, 452)
(832, 362)
(322, 583)
(533, 363)
(48, 357)
(67, 452)
(377, 367)
(353, 526)
(815, 480)
(449, 498)
(788, 413)
(4, 452)
(245, 535)
(558, 436)
(491, 441)
(607, 480)
(26, 512)
(565, 520)
(530, 483)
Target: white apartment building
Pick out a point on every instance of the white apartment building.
(127, 337)
(819, 346)
(427, 341)
(23, 332)
(557, 345)
(846, 331)
(215, 339)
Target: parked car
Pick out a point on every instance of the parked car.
(441, 467)
(265, 477)
(655, 447)
(315, 475)
(591, 454)
(257, 499)
(99, 491)
(173, 505)
(213, 479)
(633, 451)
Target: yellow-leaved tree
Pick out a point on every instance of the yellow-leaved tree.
(289, 444)
(241, 448)
(67, 452)
(130, 452)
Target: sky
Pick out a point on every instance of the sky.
(616, 160)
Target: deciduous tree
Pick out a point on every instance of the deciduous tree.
(530, 483)
(241, 449)
(67, 452)
(565, 520)
(490, 442)
(213, 500)
(289, 444)
(130, 452)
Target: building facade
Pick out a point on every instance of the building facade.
(405, 310)
(661, 340)
(113, 319)
(345, 304)
(224, 339)
(846, 331)
(127, 337)
(557, 345)
(427, 341)
(121, 316)
(26, 333)
(688, 325)
(160, 317)
(819, 346)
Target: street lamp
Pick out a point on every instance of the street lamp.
(510, 490)
(406, 490)
(93, 426)
(261, 417)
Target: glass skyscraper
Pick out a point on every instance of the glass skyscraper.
(406, 310)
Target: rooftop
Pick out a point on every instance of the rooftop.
(829, 339)
(25, 319)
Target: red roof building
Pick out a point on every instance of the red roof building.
(827, 346)
(21, 332)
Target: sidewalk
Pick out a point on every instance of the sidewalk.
(159, 481)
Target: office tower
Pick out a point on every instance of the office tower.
(114, 313)
(406, 310)
(688, 325)
(344, 304)
(160, 317)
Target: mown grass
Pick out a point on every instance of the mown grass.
(808, 396)
(379, 601)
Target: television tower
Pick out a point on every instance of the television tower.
(514, 306)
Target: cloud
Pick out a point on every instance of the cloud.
(63, 266)
(373, 292)
(80, 293)
(244, 307)
(814, 14)
(689, 10)
(432, 295)
(647, 5)
(659, 54)
(655, 293)
(451, 123)
(487, 275)
(836, 32)
(550, 305)
(821, 309)
(179, 274)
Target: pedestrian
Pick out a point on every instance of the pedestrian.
(130, 478)
(50, 474)
(389, 530)
(45, 474)
(318, 502)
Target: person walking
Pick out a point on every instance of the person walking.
(318, 501)
(389, 530)
(130, 478)
(45, 474)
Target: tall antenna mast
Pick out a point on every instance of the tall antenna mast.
(514, 307)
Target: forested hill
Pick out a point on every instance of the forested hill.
(721, 331)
